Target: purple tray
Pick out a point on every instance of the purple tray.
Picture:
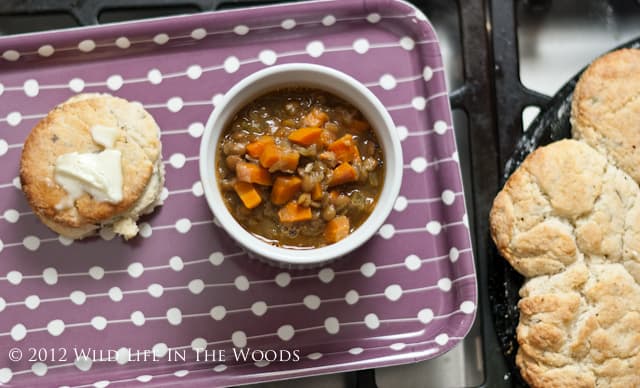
(409, 294)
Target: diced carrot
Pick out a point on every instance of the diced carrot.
(345, 149)
(316, 193)
(252, 173)
(289, 161)
(276, 158)
(306, 136)
(337, 229)
(292, 212)
(270, 155)
(359, 126)
(315, 118)
(248, 194)
(254, 149)
(344, 173)
(333, 195)
(284, 189)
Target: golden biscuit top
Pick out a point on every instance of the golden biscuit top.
(605, 110)
(570, 222)
(67, 129)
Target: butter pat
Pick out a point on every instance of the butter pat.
(105, 136)
(97, 174)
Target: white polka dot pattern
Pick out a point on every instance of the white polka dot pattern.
(393, 292)
(87, 45)
(31, 87)
(351, 297)
(231, 64)
(161, 38)
(194, 71)
(144, 378)
(115, 82)
(259, 308)
(115, 293)
(199, 33)
(46, 50)
(283, 279)
(328, 20)
(39, 369)
(56, 327)
(18, 332)
(135, 270)
(407, 43)
(286, 332)
(332, 325)
(50, 276)
(123, 42)
(137, 318)
(326, 275)
(239, 339)
(374, 18)
(181, 272)
(174, 316)
(83, 363)
(218, 313)
(315, 48)
(14, 118)
(11, 55)
(312, 302)
(241, 29)
(78, 297)
(96, 272)
(288, 24)
(268, 57)
(196, 286)
(154, 76)
(32, 302)
(361, 45)
(76, 85)
(99, 323)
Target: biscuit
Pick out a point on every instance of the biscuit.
(580, 328)
(605, 111)
(67, 129)
(570, 222)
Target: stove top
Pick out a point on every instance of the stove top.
(503, 60)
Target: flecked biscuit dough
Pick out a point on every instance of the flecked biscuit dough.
(67, 129)
(605, 111)
(570, 222)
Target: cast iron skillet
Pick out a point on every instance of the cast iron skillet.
(504, 282)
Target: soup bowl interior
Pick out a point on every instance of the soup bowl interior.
(306, 76)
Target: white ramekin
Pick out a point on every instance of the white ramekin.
(313, 76)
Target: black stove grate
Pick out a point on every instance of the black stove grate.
(491, 95)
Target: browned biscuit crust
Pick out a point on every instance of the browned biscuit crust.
(67, 129)
(605, 109)
(531, 219)
(570, 222)
(580, 328)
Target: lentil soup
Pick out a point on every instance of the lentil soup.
(300, 168)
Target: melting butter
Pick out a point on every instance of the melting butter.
(99, 174)
(105, 136)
